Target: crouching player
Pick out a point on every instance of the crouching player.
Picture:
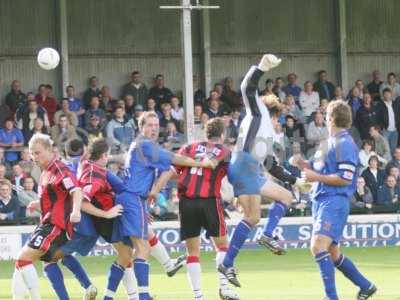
(60, 204)
(334, 169)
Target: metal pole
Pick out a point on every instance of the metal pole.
(63, 39)
(344, 80)
(206, 48)
(186, 29)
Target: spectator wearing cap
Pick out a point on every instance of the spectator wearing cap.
(94, 129)
(374, 176)
(309, 100)
(9, 204)
(45, 99)
(92, 91)
(151, 106)
(213, 109)
(137, 115)
(136, 88)
(72, 117)
(365, 117)
(15, 98)
(11, 139)
(374, 86)
(94, 109)
(389, 193)
(316, 133)
(27, 195)
(391, 84)
(159, 92)
(323, 87)
(63, 132)
(28, 117)
(292, 88)
(177, 111)
(381, 144)
(294, 131)
(120, 130)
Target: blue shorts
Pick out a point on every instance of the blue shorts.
(81, 244)
(245, 174)
(133, 221)
(85, 226)
(330, 216)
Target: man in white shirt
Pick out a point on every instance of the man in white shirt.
(388, 118)
(309, 100)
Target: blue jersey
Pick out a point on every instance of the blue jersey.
(340, 157)
(145, 157)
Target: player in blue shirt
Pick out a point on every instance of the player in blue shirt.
(145, 158)
(334, 170)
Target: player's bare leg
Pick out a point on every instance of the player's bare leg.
(25, 275)
(193, 266)
(283, 198)
(158, 251)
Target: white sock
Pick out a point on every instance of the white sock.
(19, 288)
(219, 258)
(31, 280)
(158, 251)
(129, 282)
(194, 274)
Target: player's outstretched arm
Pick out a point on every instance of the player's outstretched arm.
(90, 209)
(77, 196)
(331, 179)
(184, 161)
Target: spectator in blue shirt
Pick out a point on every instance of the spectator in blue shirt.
(75, 104)
(11, 138)
(389, 193)
(9, 205)
(94, 109)
(292, 88)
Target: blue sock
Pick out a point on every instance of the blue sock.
(349, 270)
(238, 238)
(141, 268)
(114, 278)
(327, 270)
(54, 274)
(276, 212)
(76, 268)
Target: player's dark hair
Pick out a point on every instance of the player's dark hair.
(215, 128)
(340, 112)
(387, 90)
(74, 147)
(135, 73)
(97, 149)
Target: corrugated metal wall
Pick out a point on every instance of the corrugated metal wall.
(112, 38)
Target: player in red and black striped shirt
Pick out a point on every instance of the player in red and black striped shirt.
(60, 203)
(200, 204)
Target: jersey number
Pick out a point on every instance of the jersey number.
(195, 170)
(38, 241)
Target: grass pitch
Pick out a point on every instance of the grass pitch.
(263, 277)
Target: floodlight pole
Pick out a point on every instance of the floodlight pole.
(63, 44)
(187, 55)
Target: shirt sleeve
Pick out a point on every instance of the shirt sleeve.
(346, 160)
(184, 150)
(68, 180)
(116, 183)
(157, 157)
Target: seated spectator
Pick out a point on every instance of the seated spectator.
(177, 111)
(365, 117)
(229, 95)
(395, 162)
(151, 107)
(15, 98)
(390, 84)
(323, 87)
(389, 194)
(26, 195)
(172, 139)
(45, 99)
(9, 205)
(107, 102)
(138, 113)
(11, 140)
(236, 119)
(395, 172)
(362, 199)
(373, 176)
(198, 111)
(213, 109)
(120, 131)
(3, 171)
(337, 94)
(94, 109)
(367, 150)
(316, 133)
(278, 88)
(92, 91)
(72, 117)
(269, 88)
(231, 131)
(62, 132)
(323, 106)
(28, 166)
(294, 131)
(159, 92)
(359, 85)
(292, 88)
(28, 116)
(374, 86)
(136, 88)
(75, 104)
(199, 97)
(129, 104)
(38, 127)
(381, 144)
(18, 176)
(291, 108)
(94, 129)
(281, 144)
(309, 100)
(167, 117)
(354, 101)
(199, 129)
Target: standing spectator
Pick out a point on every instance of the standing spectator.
(292, 88)
(94, 109)
(366, 117)
(231, 131)
(213, 110)
(11, 139)
(389, 194)
(354, 101)
(9, 205)
(28, 166)
(278, 88)
(75, 104)
(15, 98)
(151, 106)
(324, 87)
(120, 131)
(309, 100)
(374, 86)
(359, 85)
(28, 117)
(72, 117)
(229, 96)
(177, 111)
(373, 176)
(63, 132)
(368, 150)
(362, 199)
(389, 118)
(381, 144)
(199, 95)
(92, 91)
(94, 129)
(136, 88)
(129, 105)
(198, 111)
(338, 93)
(18, 176)
(316, 133)
(395, 162)
(159, 92)
(27, 195)
(107, 102)
(45, 100)
(391, 84)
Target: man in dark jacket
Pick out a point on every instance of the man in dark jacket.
(136, 88)
(389, 194)
(324, 88)
(366, 117)
(15, 98)
(9, 205)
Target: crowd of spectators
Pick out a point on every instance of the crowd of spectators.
(96, 113)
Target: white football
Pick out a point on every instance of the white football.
(48, 58)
